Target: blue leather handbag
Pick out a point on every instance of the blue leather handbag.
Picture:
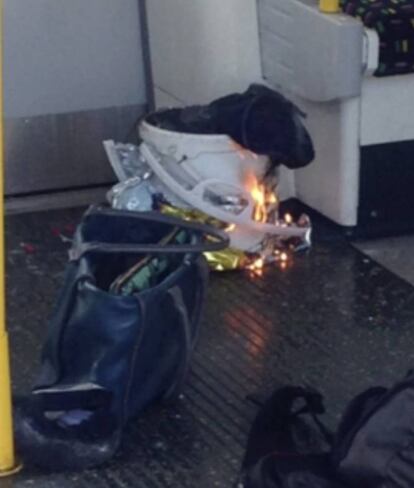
(121, 336)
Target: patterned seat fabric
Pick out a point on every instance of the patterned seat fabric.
(394, 22)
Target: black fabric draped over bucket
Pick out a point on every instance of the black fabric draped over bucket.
(260, 119)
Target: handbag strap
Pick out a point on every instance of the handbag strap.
(187, 341)
(203, 275)
(220, 239)
(189, 326)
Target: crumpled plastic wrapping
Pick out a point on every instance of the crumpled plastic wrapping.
(125, 159)
(134, 194)
(137, 180)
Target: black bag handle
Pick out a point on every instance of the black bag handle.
(82, 247)
(201, 293)
(314, 407)
(276, 418)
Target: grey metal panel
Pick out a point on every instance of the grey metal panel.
(70, 55)
(272, 15)
(52, 152)
(313, 55)
(280, 71)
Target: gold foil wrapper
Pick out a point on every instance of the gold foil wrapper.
(226, 260)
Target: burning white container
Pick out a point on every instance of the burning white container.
(215, 175)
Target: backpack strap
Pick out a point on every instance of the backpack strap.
(272, 429)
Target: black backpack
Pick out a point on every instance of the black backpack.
(373, 447)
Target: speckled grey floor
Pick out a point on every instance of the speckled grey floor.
(395, 253)
(334, 319)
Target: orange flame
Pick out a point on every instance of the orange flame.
(264, 202)
(265, 211)
(259, 196)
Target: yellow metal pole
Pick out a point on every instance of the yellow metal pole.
(329, 6)
(8, 463)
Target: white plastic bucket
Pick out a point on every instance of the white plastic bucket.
(206, 156)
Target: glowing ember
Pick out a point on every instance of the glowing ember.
(272, 199)
(257, 266)
(284, 257)
(288, 219)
